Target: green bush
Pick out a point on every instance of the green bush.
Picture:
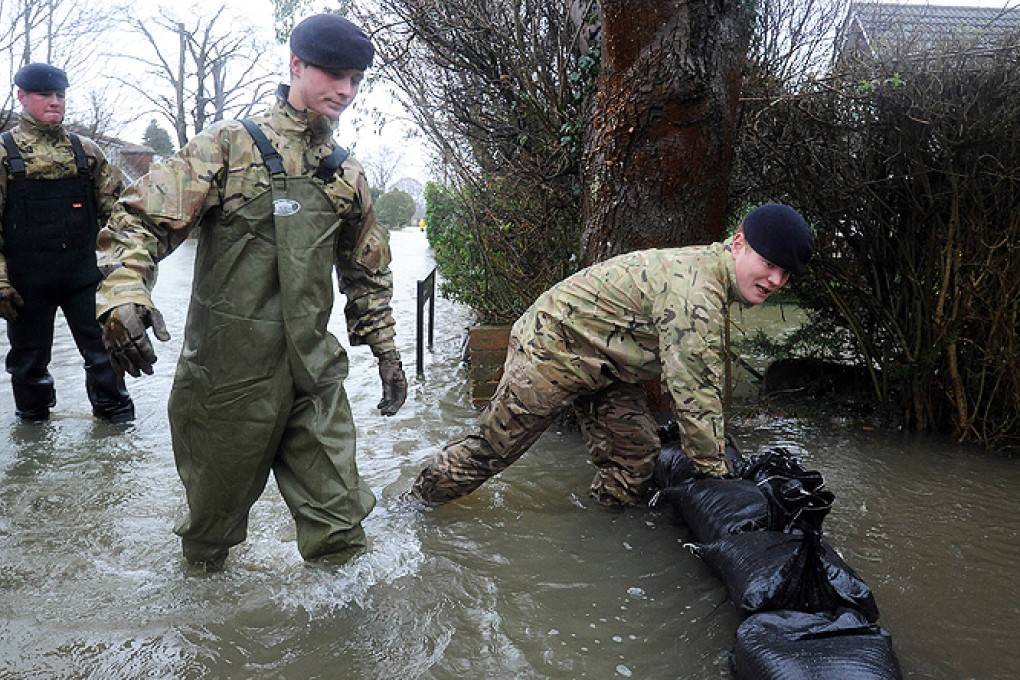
(910, 173)
(497, 247)
(395, 208)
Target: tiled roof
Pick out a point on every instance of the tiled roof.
(926, 24)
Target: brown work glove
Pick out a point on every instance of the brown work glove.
(10, 300)
(394, 384)
(125, 337)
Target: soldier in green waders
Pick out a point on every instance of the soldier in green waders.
(589, 342)
(259, 384)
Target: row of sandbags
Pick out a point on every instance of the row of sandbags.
(809, 615)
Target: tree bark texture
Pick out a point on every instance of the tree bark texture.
(658, 159)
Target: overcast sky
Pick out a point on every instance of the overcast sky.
(356, 129)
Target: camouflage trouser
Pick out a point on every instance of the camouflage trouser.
(617, 426)
(622, 439)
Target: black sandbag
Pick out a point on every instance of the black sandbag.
(791, 645)
(770, 570)
(669, 432)
(797, 497)
(672, 467)
(712, 508)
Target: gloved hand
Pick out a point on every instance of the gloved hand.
(394, 384)
(126, 339)
(10, 300)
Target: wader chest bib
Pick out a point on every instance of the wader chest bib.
(263, 288)
(259, 385)
(50, 225)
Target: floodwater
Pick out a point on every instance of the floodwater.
(526, 578)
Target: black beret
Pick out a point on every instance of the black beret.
(332, 43)
(778, 233)
(40, 78)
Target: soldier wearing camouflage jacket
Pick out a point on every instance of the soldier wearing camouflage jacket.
(590, 342)
(259, 384)
(55, 189)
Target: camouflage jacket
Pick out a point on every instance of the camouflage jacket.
(640, 316)
(46, 150)
(220, 170)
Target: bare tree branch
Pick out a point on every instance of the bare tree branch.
(201, 71)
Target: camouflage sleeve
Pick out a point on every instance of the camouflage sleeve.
(107, 178)
(690, 348)
(155, 215)
(363, 265)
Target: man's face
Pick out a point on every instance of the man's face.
(45, 107)
(327, 93)
(757, 278)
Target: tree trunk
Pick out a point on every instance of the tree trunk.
(658, 159)
(181, 123)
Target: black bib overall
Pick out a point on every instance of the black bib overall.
(49, 241)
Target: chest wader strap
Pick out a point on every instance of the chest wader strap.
(17, 163)
(80, 159)
(328, 166)
(271, 157)
(14, 158)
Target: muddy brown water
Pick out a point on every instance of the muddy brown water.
(526, 578)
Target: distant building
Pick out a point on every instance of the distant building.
(878, 30)
(132, 159)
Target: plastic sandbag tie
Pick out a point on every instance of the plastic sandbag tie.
(797, 497)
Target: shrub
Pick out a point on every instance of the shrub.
(910, 174)
(497, 247)
(395, 208)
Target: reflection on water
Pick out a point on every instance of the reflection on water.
(524, 579)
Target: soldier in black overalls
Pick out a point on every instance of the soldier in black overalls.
(55, 187)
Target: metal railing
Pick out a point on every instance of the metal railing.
(426, 293)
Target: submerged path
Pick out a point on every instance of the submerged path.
(526, 578)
